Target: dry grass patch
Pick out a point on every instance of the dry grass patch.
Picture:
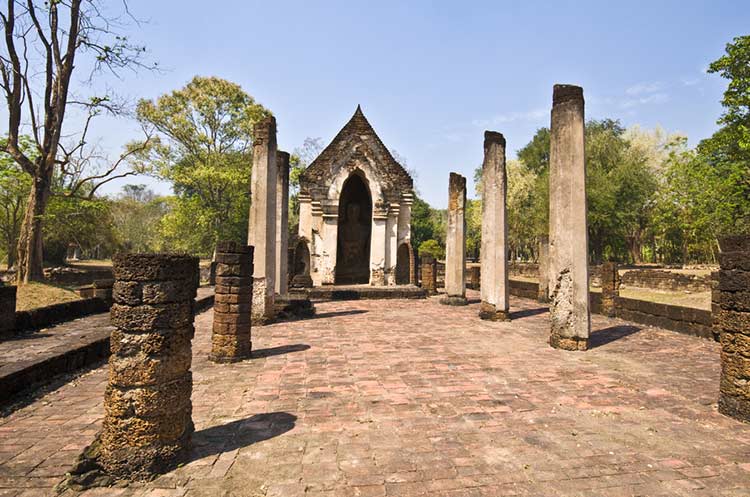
(33, 295)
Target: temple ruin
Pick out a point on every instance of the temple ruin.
(355, 212)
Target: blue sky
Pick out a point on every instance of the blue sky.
(432, 76)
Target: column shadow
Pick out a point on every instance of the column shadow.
(610, 334)
(241, 433)
(333, 314)
(524, 313)
(282, 349)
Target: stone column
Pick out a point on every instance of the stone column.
(570, 320)
(610, 278)
(475, 278)
(147, 409)
(733, 320)
(429, 274)
(455, 243)
(232, 303)
(262, 229)
(378, 246)
(391, 244)
(495, 304)
(7, 310)
(282, 224)
(543, 269)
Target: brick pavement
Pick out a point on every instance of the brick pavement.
(410, 398)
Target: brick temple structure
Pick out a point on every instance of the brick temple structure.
(355, 211)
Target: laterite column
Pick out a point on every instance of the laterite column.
(610, 278)
(570, 319)
(543, 271)
(232, 303)
(455, 243)
(147, 409)
(733, 321)
(429, 274)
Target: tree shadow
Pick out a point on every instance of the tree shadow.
(283, 349)
(525, 313)
(30, 335)
(334, 314)
(240, 433)
(610, 334)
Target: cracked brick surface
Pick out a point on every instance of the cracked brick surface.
(406, 397)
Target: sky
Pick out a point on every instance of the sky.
(432, 76)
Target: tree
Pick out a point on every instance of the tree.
(14, 190)
(206, 153)
(432, 248)
(136, 216)
(42, 43)
(298, 162)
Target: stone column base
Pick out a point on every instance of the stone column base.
(568, 343)
(263, 307)
(454, 300)
(231, 348)
(489, 312)
(735, 407)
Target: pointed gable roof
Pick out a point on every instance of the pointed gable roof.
(355, 133)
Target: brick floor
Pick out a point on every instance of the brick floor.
(406, 397)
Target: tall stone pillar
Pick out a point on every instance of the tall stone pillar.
(543, 271)
(262, 229)
(733, 320)
(610, 278)
(282, 224)
(378, 247)
(570, 320)
(495, 304)
(455, 243)
(429, 274)
(147, 409)
(232, 303)
(7, 310)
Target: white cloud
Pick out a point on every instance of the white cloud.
(690, 81)
(656, 98)
(645, 88)
(530, 116)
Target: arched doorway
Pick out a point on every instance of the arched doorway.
(403, 264)
(354, 232)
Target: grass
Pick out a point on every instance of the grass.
(33, 295)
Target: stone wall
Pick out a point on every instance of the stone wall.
(665, 280)
(7, 310)
(696, 322)
(75, 276)
(42, 317)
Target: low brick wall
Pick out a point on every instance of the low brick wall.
(7, 310)
(75, 276)
(657, 279)
(43, 317)
(696, 322)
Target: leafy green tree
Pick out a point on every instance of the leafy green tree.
(136, 216)
(207, 155)
(432, 248)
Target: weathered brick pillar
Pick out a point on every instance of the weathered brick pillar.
(734, 322)
(262, 229)
(543, 269)
(147, 409)
(495, 304)
(715, 305)
(475, 277)
(232, 303)
(610, 278)
(282, 224)
(455, 243)
(429, 274)
(7, 310)
(570, 320)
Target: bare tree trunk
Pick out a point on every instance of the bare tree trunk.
(30, 250)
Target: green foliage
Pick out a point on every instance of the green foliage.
(431, 248)
(136, 218)
(426, 223)
(15, 186)
(473, 215)
(86, 223)
(207, 155)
